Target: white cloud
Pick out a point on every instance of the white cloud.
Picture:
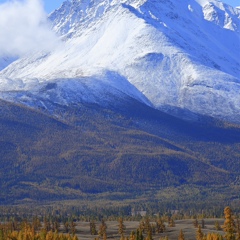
(24, 28)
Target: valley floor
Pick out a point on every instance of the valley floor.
(83, 232)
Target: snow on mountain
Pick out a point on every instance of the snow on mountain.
(173, 55)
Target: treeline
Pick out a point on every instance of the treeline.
(231, 228)
(31, 231)
(148, 229)
(86, 212)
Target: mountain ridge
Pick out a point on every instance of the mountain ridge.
(175, 57)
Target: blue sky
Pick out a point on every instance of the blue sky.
(50, 5)
(53, 4)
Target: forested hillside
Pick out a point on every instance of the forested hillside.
(86, 150)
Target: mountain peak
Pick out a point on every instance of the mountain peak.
(173, 56)
(73, 14)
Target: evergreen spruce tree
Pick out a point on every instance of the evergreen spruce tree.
(238, 228)
(229, 225)
(103, 229)
(55, 226)
(213, 236)
(121, 227)
(199, 233)
(203, 223)
(46, 224)
(93, 229)
(147, 225)
(160, 226)
(171, 223)
(66, 226)
(181, 235)
(149, 234)
(142, 226)
(217, 226)
(73, 227)
(132, 236)
(139, 235)
(195, 223)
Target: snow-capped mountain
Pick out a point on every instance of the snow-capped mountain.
(172, 55)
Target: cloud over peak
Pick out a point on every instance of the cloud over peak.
(24, 28)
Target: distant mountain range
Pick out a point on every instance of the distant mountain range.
(137, 95)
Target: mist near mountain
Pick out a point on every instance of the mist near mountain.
(24, 28)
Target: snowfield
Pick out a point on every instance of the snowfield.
(172, 55)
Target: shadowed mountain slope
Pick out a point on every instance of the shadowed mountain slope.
(87, 149)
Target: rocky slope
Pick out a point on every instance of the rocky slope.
(179, 57)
